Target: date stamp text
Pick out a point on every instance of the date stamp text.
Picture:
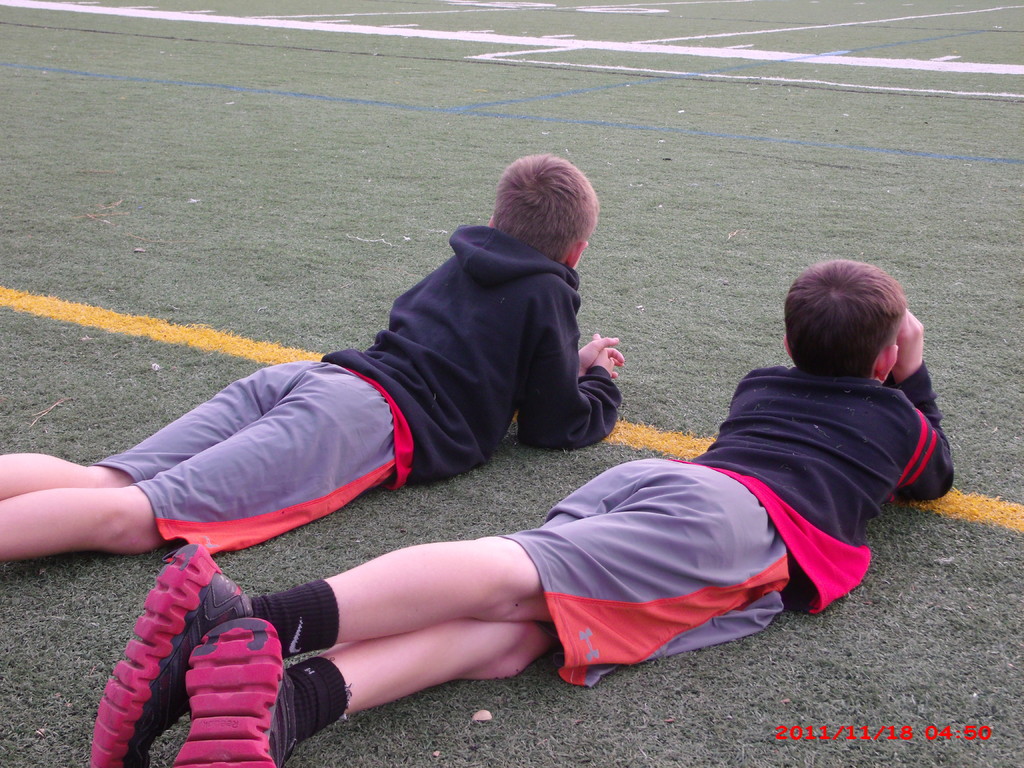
(881, 733)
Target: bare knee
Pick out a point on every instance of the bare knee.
(107, 477)
(128, 525)
(521, 643)
(513, 581)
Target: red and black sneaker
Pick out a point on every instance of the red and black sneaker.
(146, 692)
(243, 710)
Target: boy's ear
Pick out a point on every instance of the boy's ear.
(885, 361)
(572, 257)
(785, 343)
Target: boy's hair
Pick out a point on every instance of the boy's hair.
(840, 315)
(547, 203)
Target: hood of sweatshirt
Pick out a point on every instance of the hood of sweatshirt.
(491, 257)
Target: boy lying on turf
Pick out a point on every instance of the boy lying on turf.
(491, 332)
(649, 559)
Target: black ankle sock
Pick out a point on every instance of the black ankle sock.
(305, 617)
(321, 695)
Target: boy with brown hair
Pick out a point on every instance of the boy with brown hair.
(649, 559)
(489, 333)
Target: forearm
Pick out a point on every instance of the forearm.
(572, 419)
(933, 476)
(918, 389)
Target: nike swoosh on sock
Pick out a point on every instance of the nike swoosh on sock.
(293, 647)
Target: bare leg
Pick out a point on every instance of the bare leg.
(26, 472)
(235, 673)
(417, 587)
(48, 522)
(385, 669)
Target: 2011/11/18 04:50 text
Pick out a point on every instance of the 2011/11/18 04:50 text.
(884, 733)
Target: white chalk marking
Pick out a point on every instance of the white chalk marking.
(756, 78)
(834, 26)
(619, 9)
(533, 42)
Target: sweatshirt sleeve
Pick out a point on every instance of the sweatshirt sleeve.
(584, 415)
(929, 474)
(560, 408)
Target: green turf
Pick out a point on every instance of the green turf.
(286, 185)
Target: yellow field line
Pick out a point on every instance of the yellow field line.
(966, 506)
(197, 336)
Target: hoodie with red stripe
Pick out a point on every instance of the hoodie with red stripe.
(822, 455)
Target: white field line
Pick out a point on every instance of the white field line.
(839, 24)
(750, 78)
(488, 38)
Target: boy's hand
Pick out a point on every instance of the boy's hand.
(601, 351)
(910, 339)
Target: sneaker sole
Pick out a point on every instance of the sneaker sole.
(167, 607)
(233, 686)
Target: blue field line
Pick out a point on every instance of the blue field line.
(561, 94)
(889, 45)
(504, 116)
(219, 86)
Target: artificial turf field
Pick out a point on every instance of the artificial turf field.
(280, 172)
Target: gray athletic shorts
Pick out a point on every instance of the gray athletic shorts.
(286, 445)
(653, 558)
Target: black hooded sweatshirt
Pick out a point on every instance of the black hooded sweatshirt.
(490, 332)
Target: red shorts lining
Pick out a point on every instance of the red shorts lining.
(231, 535)
(596, 631)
